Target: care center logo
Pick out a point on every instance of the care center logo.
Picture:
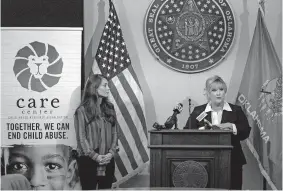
(190, 35)
(38, 66)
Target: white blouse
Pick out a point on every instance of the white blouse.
(216, 116)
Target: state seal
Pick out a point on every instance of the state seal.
(190, 35)
(271, 98)
(190, 174)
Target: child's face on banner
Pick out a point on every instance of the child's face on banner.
(46, 167)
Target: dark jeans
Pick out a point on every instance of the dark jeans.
(236, 176)
(89, 179)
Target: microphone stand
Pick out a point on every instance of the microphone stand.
(190, 118)
(176, 123)
(172, 121)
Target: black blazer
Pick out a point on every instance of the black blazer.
(235, 116)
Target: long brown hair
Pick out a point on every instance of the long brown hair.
(90, 101)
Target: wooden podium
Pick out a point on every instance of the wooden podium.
(190, 158)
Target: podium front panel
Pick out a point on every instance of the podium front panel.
(191, 160)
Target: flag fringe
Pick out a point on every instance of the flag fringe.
(262, 170)
(128, 176)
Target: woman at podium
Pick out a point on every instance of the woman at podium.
(218, 113)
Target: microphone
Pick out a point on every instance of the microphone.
(157, 126)
(172, 120)
(207, 124)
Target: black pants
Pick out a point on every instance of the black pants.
(236, 176)
(89, 179)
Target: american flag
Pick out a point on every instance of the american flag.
(113, 62)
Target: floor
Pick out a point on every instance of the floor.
(137, 181)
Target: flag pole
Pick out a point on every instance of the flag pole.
(262, 9)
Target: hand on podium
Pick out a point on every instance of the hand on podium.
(226, 126)
(208, 125)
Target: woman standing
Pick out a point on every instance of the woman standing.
(225, 116)
(95, 123)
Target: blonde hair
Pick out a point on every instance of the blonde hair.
(210, 81)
